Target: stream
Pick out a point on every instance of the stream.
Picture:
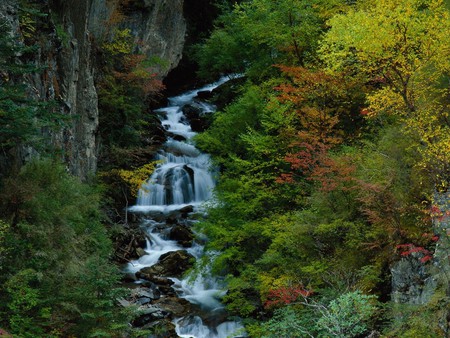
(180, 185)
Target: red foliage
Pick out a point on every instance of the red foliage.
(133, 73)
(426, 258)
(285, 295)
(314, 97)
(364, 111)
(407, 249)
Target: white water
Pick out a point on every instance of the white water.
(184, 179)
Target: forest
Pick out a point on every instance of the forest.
(332, 139)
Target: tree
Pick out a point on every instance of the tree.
(400, 46)
(323, 106)
(403, 50)
(55, 276)
(259, 33)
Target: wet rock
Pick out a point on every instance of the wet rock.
(176, 137)
(148, 293)
(124, 302)
(175, 216)
(143, 301)
(186, 210)
(176, 307)
(159, 281)
(204, 94)
(172, 264)
(149, 314)
(197, 117)
(140, 252)
(157, 216)
(182, 234)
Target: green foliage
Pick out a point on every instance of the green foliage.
(24, 303)
(287, 323)
(412, 320)
(347, 316)
(56, 252)
(402, 49)
(257, 34)
(129, 82)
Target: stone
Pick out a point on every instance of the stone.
(182, 234)
(197, 117)
(124, 302)
(171, 264)
(177, 307)
(412, 281)
(186, 210)
(148, 315)
(143, 300)
(204, 94)
(140, 252)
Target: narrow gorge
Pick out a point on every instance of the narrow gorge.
(306, 197)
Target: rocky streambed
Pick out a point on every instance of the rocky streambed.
(161, 247)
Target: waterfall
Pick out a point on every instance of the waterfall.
(184, 178)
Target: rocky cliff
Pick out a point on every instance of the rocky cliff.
(69, 35)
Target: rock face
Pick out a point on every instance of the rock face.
(412, 281)
(71, 78)
(158, 27)
(68, 41)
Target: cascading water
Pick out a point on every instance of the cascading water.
(184, 178)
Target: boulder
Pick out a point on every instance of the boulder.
(176, 216)
(186, 210)
(176, 137)
(142, 294)
(204, 94)
(172, 264)
(149, 314)
(182, 234)
(176, 307)
(412, 281)
(198, 118)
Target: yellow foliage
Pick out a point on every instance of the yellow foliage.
(27, 25)
(403, 49)
(122, 42)
(134, 178)
(402, 45)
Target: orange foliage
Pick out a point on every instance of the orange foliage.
(314, 97)
(286, 295)
(135, 73)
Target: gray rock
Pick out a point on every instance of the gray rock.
(182, 234)
(412, 281)
(171, 264)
